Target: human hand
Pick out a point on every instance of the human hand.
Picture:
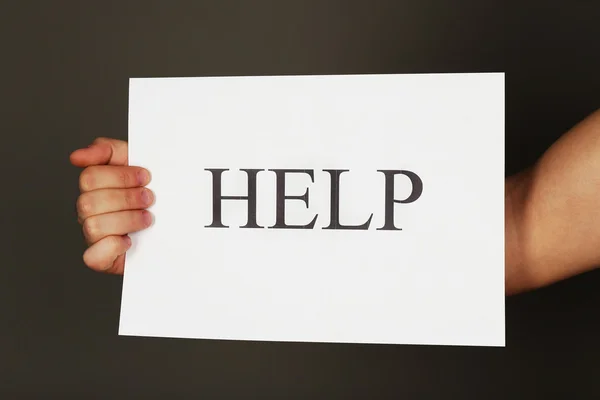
(112, 203)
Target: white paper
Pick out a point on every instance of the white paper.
(439, 280)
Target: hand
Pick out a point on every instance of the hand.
(112, 203)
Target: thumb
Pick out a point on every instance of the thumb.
(102, 151)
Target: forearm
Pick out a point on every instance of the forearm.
(553, 212)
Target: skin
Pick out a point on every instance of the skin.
(112, 203)
(552, 214)
(551, 209)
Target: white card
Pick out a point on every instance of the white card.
(423, 189)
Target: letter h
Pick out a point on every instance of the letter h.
(218, 198)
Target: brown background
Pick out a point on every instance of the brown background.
(65, 67)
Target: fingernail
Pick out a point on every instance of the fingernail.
(143, 177)
(147, 217)
(127, 240)
(147, 196)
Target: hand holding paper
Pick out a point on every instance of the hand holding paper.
(112, 203)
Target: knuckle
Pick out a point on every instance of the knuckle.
(89, 261)
(85, 206)
(86, 179)
(91, 228)
(100, 139)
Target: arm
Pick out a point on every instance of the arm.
(552, 225)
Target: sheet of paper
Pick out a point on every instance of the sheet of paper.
(364, 209)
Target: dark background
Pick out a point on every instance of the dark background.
(65, 67)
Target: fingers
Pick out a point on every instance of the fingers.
(112, 177)
(98, 227)
(105, 201)
(112, 202)
(103, 151)
(108, 254)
